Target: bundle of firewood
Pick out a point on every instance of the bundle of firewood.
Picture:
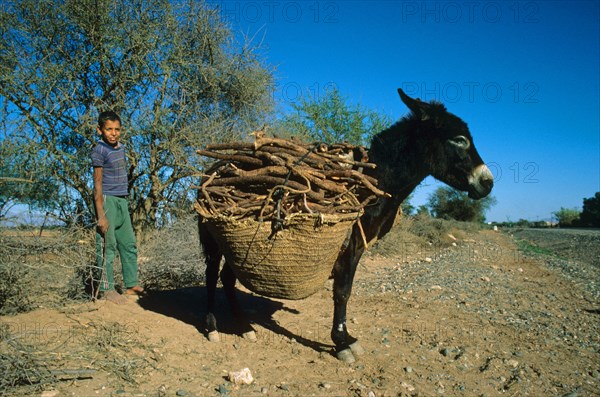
(272, 177)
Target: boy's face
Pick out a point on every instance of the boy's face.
(110, 132)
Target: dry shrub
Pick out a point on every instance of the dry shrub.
(410, 235)
(13, 291)
(400, 241)
(58, 266)
(38, 270)
(18, 367)
(170, 257)
(29, 360)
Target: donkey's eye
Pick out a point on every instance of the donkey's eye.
(461, 141)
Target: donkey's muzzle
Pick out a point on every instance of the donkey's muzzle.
(481, 182)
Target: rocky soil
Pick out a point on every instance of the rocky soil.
(495, 313)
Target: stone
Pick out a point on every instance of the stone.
(241, 377)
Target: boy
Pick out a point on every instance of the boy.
(114, 231)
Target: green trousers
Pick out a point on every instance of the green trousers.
(119, 237)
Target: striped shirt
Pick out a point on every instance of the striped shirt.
(114, 168)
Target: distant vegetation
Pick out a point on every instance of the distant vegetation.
(588, 217)
(449, 203)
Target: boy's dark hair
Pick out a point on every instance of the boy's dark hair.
(106, 116)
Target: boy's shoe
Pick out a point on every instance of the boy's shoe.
(136, 291)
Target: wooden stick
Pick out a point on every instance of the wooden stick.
(231, 157)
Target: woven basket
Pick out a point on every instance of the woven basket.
(292, 264)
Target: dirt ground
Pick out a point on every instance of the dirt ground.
(491, 315)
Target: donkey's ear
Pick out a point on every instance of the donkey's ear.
(415, 105)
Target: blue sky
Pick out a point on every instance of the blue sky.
(523, 74)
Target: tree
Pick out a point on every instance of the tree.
(567, 217)
(332, 119)
(590, 216)
(449, 203)
(20, 180)
(171, 69)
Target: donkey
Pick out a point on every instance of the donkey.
(428, 141)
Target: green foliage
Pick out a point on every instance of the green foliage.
(567, 217)
(332, 119)
(590, 216)
(422, 211)
(407, 207)
(171, 69)
(530, 248)
(523, 223)
(449, 203)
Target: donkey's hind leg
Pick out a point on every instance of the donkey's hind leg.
(213, 257)
(228, 279)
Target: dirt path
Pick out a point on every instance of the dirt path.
(477, 319)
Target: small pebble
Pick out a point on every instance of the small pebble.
(181, 393)
(410, 388)
(223, 389)
(408, 370)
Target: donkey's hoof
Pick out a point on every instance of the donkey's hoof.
(250, 336)
(213, 336)
(346, 356)
(357, 349)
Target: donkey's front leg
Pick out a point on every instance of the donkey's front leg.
(343, 275)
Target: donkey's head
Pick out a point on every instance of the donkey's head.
(449, 148)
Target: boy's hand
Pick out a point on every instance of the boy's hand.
(103, 225)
